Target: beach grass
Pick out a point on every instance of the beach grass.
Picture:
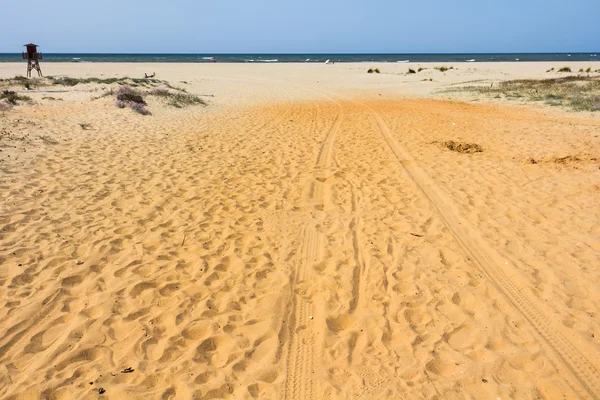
(178, 100)
(579, 93)
(70, 81)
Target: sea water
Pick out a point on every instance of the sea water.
(309, 58)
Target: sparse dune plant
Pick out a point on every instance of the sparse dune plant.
(12, 97)
(176, 99)
(129, 97)
(370, 71)
(4, 107)
(129, 94)
(411, 71)
(565, 69)
(140, 108)
(162, 92)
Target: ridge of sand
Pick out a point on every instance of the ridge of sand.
(299, 240)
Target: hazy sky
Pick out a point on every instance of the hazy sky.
(312, 26)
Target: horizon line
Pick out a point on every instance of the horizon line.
(325, 53)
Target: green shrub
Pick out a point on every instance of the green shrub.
(376, 70)
(565, 69)
(411, 71)
(370, 71)
(588, 70)
(420, 69)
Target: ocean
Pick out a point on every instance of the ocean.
(314, 58)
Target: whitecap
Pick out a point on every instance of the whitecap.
(471, 60)
(403, 61)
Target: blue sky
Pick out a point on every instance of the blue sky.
(312, 26)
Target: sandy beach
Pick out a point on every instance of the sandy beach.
(312, 232)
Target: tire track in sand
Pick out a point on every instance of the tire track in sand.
(303, 351)
(497, 269)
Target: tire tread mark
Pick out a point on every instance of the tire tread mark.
(490, 261)
(302, 351)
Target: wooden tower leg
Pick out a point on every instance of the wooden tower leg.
(37, 67)
(33, 64)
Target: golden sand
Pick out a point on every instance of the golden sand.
(306, 235)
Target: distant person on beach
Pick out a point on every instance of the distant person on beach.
(149, 76)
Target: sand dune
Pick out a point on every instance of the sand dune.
(297, 239)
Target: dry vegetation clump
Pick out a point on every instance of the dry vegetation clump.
(571, 159)
(4, 107)
(12, 98)
(443, 68)
(580, 93)
(461, 147)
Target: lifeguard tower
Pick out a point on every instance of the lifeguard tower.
(32, 56)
